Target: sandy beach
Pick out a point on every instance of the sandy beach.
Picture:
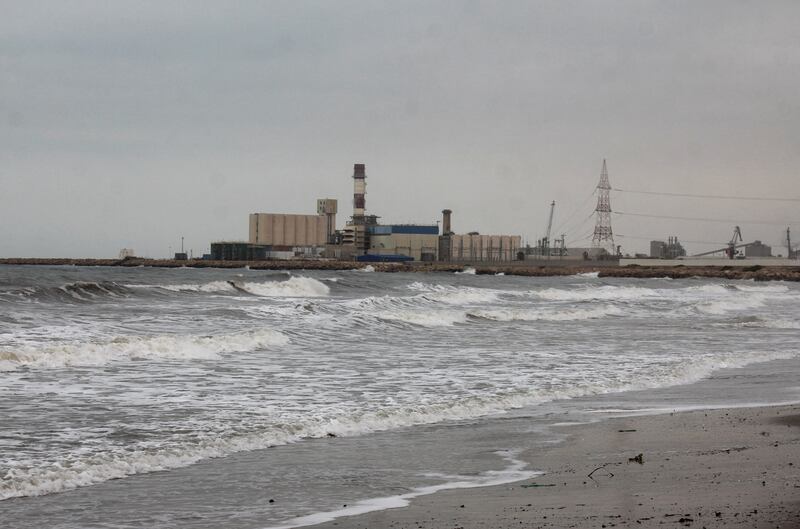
(711, 468)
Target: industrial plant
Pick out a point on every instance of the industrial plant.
(363, 238)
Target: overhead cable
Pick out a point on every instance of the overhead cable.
(693, 195)
(701, 219)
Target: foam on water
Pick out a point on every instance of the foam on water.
(295, 286)
(425, 319)
(163, 347)
(600, 311)
(25, 480)
(452, 295)
(514, 471)
(213, 286)
(206, 374)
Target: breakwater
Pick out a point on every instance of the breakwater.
(756, 272)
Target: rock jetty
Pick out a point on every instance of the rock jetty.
(756, 272)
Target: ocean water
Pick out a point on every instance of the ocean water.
(253, 399)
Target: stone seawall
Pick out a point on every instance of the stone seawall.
(758, 273)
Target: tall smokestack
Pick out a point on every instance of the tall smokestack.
(359, 189)
(446, 221)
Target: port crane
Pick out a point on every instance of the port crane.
(730, 249)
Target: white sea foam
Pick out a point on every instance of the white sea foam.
(733, 304)
(294, 287)
(550, 314)
(425, 318)
(605, 292)
(66, 475)
(467, 271)
(161, 347)
(452, 295)
(770, 324)
(591, 275)
(514, 471)
(213, 286)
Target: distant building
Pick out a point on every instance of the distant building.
(672, 249)
(420, 242)
(126, 253)
(295, 230)
(757, 249)
(476, 247)
(473, 246)
(237, 251)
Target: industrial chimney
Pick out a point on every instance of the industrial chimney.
(446, 222)
(359, 190)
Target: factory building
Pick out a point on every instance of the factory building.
(672, 249)
(757, 249)
(238, 251)
(420, 242)
(474, 246)
(308, 231)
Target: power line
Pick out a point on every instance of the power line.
(692, 195)
(574, 212)
(657, 238)
(701, 219)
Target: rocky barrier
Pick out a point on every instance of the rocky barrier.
(758, 273)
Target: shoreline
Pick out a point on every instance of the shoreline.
(719, 467)
(755, 272)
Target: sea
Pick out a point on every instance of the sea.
(238, 398)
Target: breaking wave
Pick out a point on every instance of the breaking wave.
(547, 314)
(79, 291)
(452, 295)
(97, 468)
(425, 318)
(162, 347)
(295, 286)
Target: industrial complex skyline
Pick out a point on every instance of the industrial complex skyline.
(131, 125)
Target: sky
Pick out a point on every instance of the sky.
(129, 124)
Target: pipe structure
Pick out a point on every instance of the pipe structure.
(446, 213)
(359, 189)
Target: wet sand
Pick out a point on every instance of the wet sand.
(716, 468)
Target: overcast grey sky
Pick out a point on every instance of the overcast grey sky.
(129, 124)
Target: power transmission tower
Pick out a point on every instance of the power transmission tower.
(603, 236)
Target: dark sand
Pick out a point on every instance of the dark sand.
(716, 468)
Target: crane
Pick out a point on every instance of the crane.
(730, 250)
(737, 235)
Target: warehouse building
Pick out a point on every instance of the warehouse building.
(286, 230)
(757, 249)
